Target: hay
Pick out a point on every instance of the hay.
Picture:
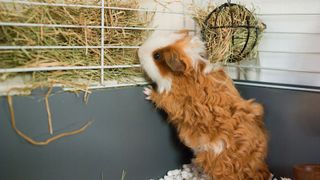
(49, 84)
(220, 44)
(123, 175)
(46, 100)
(48, 36)
(47, 141)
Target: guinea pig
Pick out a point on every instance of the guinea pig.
(225, 131)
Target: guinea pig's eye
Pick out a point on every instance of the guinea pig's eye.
(156, 56)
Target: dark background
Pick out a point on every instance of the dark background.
(129, 134)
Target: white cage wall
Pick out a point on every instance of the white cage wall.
(288, 53)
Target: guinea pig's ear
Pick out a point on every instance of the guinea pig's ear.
(173, 60)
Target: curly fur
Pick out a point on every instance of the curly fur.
(225, 131)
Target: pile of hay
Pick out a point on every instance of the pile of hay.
(225, 44)
(61, 36)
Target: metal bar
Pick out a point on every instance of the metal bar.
(124, 47)
(143, 10)
(184, 22)
(119, 47)
(143, 28)
(46, 25)
(62, 68)
(126, 28)
(134, 66)
(288, 14)
(285, 87)
(138, 9)
(232, 27)
(33, 69)
(48, 47)
(112, 85)
(195, 24)
(102, 44)
(66, 47)
(287, 52)
(118, 85)
(84, 26)
(294, 33)
(122, 66)
(274, 69)
(50, 4)
(87, 6)
(277, 86)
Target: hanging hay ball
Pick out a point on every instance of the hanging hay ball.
(231, 33)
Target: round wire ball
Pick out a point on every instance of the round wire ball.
(231, 33)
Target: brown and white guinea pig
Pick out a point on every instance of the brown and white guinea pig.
(225, 131)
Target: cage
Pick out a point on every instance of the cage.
(127, 138)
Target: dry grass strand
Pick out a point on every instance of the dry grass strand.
(46, 100)
(47, 141)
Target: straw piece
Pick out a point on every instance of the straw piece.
(47, 141)
(123, 175)
(75, 87)
(46, 100)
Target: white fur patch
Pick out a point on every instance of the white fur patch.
(156, 41)
(194, 49)
(217, 147)
(164, 85)
(209, 68)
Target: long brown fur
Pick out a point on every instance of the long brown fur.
(207, 109)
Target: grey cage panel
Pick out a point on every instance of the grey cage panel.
(129, 134)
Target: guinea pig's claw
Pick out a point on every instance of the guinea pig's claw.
(147, 91)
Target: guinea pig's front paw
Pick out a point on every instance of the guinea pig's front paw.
(148, 91)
